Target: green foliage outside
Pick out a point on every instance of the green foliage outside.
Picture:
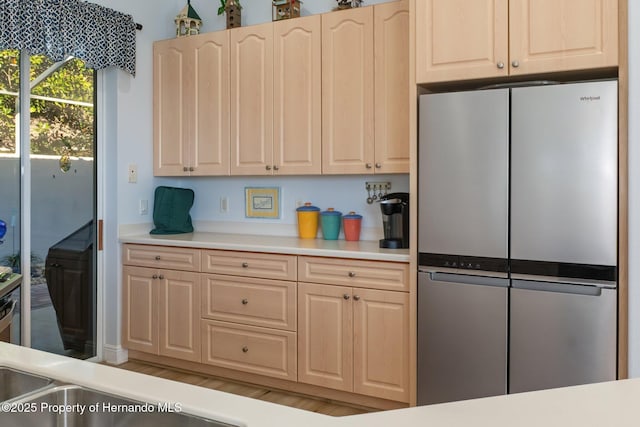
(57, 128)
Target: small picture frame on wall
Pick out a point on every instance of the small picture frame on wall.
(262, 202)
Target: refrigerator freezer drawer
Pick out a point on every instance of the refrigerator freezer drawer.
(462, 339)
(561, 339)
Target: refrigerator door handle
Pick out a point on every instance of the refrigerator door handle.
(588, 289)
(468, 279)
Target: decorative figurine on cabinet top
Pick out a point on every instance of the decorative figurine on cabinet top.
(285, 9)
(188, 21)
(233, 10)
(347, 4)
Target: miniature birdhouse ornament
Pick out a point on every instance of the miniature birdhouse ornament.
(285, 9)
(233, 10)
(188, 21)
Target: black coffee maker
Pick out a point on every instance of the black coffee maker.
(395, 220)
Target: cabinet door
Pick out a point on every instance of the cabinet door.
(170, 107)
(297, 105)
(139, 309)
(209, 91)
(560, 35)
(179, 306)
(347, 91)
(381, 344)
(325, 336)
(252, 100)
(391, 23)
(461, 39)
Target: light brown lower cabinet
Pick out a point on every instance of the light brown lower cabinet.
(161, 312)
(354, 339)
(311, 321)
(263, 351)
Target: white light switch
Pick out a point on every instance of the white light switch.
(133, 173)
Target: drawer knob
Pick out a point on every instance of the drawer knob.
(161, 277)
(245, 349)
(157, 257)
(155, 276)
(352, 274)
(245, 265)
(356, 297)
(245, 301)
(346, 296)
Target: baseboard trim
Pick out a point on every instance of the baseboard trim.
(115, 355)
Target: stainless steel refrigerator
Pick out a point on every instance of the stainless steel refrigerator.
(518, 239)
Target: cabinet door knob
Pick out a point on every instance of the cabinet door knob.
(368, 166)
(500, 65)
(352, 274)
(515, 64)
(276, 167)
(155, 276)
(191, 168)
(185, 169)
(161, 277)
(268, 167)
(346, 296)
(245, 349)
(245, 301)
(245, 265)
(378, 165)
(157, 257)
(356, 297)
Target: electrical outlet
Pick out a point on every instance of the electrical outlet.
(144, 207)
(133, 173)
(224, 204)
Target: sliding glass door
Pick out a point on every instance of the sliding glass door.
(58, 204)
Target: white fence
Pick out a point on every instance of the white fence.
(60, 202)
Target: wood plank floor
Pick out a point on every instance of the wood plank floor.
(321, 406)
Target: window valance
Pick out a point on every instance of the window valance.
(99, 36)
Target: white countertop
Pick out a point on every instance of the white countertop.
(610, 404)
(363, 249)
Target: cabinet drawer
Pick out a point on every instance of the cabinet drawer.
(249, 264)
(162, 257)
(261, 351)
(259, 302)
(364, 274)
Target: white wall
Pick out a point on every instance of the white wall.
(125, 107)
(634, 189)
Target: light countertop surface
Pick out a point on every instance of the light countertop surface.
(610, 404)
(363, 249)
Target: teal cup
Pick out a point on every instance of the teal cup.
(330, 222)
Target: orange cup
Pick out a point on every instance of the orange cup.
(352, 224)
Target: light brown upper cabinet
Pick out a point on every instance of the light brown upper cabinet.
(464, 40)
(365, 75)
(252, 100)
(275, 98)
(191, 105)
(391, 77)
(297, 107)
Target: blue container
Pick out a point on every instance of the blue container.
(330, 221)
